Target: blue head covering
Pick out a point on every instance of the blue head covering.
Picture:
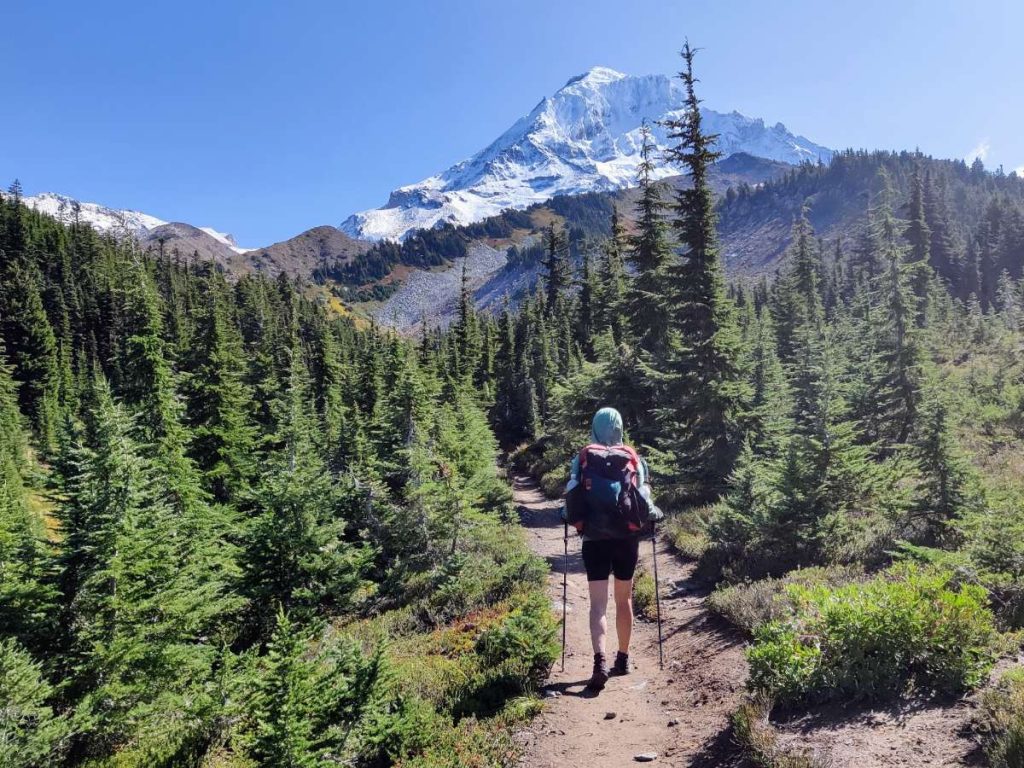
(606, 427)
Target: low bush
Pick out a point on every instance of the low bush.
(999, 720)
(528, 636)
(871, 640)
(644, 603)
(687, 531)
(752, 604)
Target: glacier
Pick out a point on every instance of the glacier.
(584, 138)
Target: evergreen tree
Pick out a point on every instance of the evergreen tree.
(705, 391)
(556, 266)
(27, 599)
(586, 323)
(304, 706)
(223, 440)
(611, 279)
(647, 300)
(148, 607)
(296, 555)
(31, 733)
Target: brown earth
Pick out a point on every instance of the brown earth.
(699, 688)
(682, 713)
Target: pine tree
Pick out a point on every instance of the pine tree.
(705, 387)
(611, 279)
(27, 598)
(304, 705)
(31, 345)
(894, 392)
(223, 440)
(647, 301)
(148, 605)
(556, 266)
(949, 487)
(586, 322)
(31, 733)
(797, 298)
(296, 555)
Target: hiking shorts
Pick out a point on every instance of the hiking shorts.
(608, 556)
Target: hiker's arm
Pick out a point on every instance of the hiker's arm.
(645, 489)
(574, 479)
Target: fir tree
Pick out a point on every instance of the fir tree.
(647, 300)
(611, 280)
(556, 266)
(705, 391)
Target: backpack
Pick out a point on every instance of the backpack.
(607, 503)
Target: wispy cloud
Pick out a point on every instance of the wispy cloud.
(980, 152)
(1019, 171)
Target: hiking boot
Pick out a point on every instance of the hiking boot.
(600, 676)
(621, 665)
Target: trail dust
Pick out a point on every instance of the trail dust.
(680, 713)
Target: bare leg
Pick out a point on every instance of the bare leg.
(598, 613)
(623, 612)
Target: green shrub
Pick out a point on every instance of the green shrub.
(30, 733)
(870, 640)
(553, 483)
(529, 635)
(999, 721)
(751, 605)
(686, 530)
(643, 594)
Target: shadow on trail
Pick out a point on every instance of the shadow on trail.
(557, 563)
(565, 689)
(720, 751)
(709, 632)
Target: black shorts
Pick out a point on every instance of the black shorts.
(607, 556)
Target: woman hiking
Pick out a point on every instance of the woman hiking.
(610, 545)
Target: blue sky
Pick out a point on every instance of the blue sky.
(266, 118)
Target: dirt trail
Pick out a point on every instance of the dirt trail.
(699, 688)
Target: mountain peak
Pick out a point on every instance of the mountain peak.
(585, 137)
(119, 221)
(595, 75)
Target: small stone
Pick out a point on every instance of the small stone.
(673, 722)
(551, 694)
(646, 757)
(609, 715)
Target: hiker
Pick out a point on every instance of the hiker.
(610, 545)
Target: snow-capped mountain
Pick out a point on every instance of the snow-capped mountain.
(104, 219)
(584, 138)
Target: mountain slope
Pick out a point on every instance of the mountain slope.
(188, 242)
(317, 249)
(119, 221)
(584, 138)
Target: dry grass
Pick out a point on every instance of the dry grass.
(760, 741)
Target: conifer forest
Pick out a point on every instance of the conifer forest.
(244, 525)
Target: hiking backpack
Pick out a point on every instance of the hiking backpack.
(607, 503)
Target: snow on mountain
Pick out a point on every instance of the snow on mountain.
(228, 240)
(586, 137)
(99, 216)
(104, 219)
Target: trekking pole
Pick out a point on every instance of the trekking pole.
(657, 591)
(565, 576)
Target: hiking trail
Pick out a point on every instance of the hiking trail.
(700, 687)
(680, 713)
